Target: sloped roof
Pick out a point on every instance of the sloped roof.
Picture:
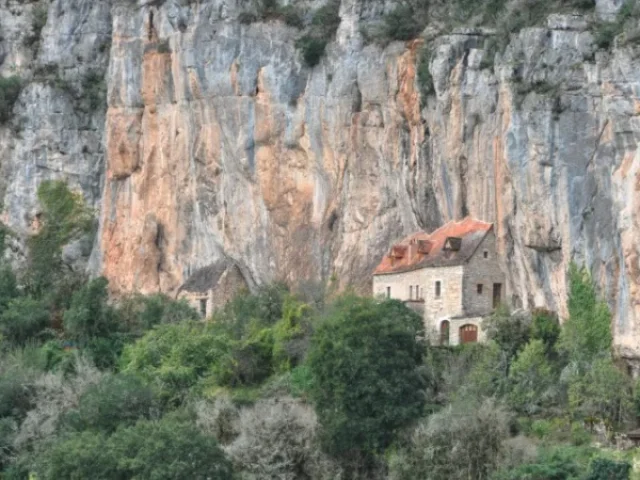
(471, 232)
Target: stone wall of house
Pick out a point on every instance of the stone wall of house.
(457, 323)
(449, 303)
(482, 271)
(230, 283)
(436, 308)
(399, 283)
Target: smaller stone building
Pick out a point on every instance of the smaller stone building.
(451, 277)
(211, 287)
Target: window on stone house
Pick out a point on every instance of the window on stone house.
(479, 289)
(418, 292)
(438, 288)
(485, 254)
(410, 292)
(388, 292)
(203, 307)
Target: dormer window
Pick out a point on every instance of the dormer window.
(424, 246)
(453, 244)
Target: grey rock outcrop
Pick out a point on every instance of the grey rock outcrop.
(218, 140)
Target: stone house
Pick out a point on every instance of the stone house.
(211, 287)
(451, 277)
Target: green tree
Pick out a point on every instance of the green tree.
(23, 319)
(602, 392)
(587, 332)
(79, 455)
(139, 313)
(545, 327)
(605, 469)
(92, 322)
(565, 463)
(164, 449)
(117, 401)
(510, 332)
(63, 218)
(176, 357)
(364, 359)
(90, 314)
(462, 442)
(10, 88)
(8, 286)
(531, 377)
(168, 449)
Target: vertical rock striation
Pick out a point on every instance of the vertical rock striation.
(217, 140)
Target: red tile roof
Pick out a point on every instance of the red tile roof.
(470, 231)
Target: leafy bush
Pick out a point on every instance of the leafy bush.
(557, 464)
(459, 443)
(139, 313)
(605, 469)
(118, 400)
(425, 80)
(38, 21)
(545, 327)
(364, 359)
(10, 88)
(272, 10)
(603, 392)
(23, 319)
(277, 440)
(587, 332)
(176, 357)
(163, 449)
(510, 332)
(606, 32)
(402, 23)
(63, 218)
(312, 49)
(324, 24)
(531, 377)
(55, 394)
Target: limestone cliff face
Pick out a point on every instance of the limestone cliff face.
(217, 140)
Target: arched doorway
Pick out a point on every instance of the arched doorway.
(468, 333)
(444, 332)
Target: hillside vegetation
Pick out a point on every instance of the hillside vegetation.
(294, 382)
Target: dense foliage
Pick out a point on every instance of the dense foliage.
(304, 384)
(364, 359)
(10, 88)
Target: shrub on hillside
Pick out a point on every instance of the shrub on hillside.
(364, 359)
(168, 448)
(116, 401)
(277, 439)
(458, 443)
(586, 334)
(10, 88)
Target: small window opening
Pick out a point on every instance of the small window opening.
(203, 307)
(388, 292)
(417, 292)
(479, 289)
(411, 292)
(438, 288)
(485, 254)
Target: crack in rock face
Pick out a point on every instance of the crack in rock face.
(211, 138)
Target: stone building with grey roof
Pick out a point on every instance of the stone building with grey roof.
(451, 277)
(210, 287)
